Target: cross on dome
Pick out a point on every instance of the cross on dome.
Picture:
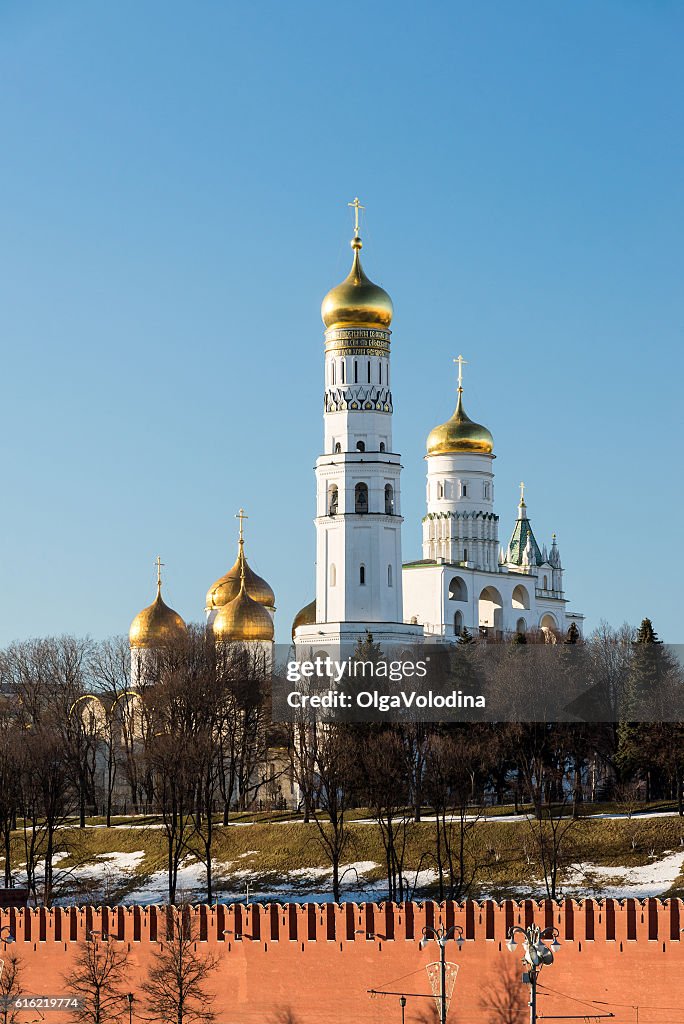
(356, 207)
(158, 562)
(461, 363)
(241, 515)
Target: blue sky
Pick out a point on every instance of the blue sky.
(174, 179)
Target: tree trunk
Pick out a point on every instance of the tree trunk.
(8, 856)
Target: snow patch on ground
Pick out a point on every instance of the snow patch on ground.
(652, 879)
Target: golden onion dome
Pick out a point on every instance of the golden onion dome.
(357, 301)
(157, 625)
(243, 619)
(227, 588)
(460, 434)
(306, 616)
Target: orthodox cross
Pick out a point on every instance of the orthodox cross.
(159, 564)
(241, 515)
(461, 363)
(522, 493)
(357, 206)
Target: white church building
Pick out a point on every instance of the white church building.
(465, 578)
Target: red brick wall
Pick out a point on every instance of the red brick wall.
(318, 960)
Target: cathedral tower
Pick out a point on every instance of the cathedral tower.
(358, 505)
(358, 522)
(460, 525)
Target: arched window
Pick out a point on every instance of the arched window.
(458, 590)
(362, 575)
(464, 490)
(333, 575)
(338, 448)
(382, 446)
(465, 554)
(360, 446)
(379, 372)
(389, 500)
(458, 623)
(361, 498)
(521, 626)
(332, 500)
(545, 584)
(333, 371)
(342, 371)
(369, 379)
(440, 490)
(389, 575)
(356, 372)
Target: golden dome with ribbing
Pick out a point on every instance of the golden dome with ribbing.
(306, 616)
(243, 619)
(357, 302)
(226, 589)
(157, 625)
(460, 434)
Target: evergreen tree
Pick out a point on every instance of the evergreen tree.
(573, 634)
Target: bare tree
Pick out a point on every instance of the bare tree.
(175, 988)
(452, 766)
(383, 759)
(325, 753)
(10, 988)
(97, 979)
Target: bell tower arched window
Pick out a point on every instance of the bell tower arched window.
(361, 498)
(362, 575)
(389, 500)
(332, 500)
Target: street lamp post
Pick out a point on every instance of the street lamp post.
(130, 997)
(402, 1003)
(536, 954)
(441, 937)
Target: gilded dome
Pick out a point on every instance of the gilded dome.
(357, 302)
(306, 616)
(226, 589)
(156, 625)
(243, 619)
(460, 434)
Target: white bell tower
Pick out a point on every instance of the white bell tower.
(358, 505)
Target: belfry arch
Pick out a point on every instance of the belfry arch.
(521, 597)
(490, 607)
